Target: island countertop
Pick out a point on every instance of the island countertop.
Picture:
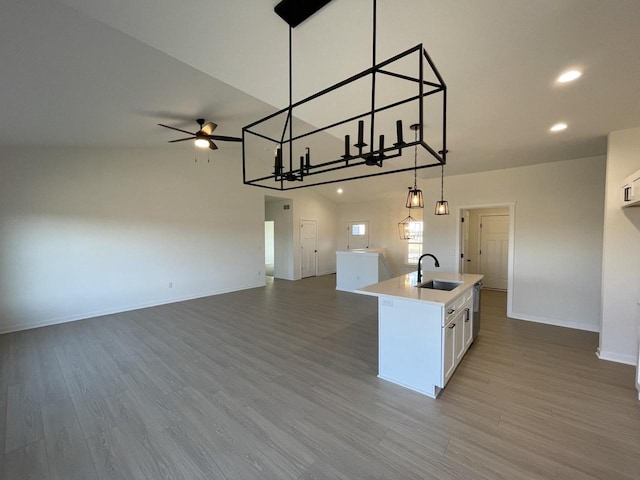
(405, 287)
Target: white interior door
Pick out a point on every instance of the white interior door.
(309, 248)
(494, 250)
(358, 236)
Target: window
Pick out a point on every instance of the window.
(358, 235)
(358, 229)
(414, 245)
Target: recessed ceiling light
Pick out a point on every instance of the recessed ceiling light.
(569, 76)
(339, 190)
(558, 127)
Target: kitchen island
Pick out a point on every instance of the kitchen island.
(423, 333)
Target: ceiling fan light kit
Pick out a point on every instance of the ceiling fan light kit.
(291, 166)
(201, 142)
(204, 137)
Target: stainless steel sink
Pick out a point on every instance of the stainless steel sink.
(440, 285)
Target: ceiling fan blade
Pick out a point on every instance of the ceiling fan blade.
(212, 145)
(208, 128)
(181, 140)
(177, 129)
(225, 139)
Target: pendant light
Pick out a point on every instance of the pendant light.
(442, 206)
(406, 228)
(414, 198)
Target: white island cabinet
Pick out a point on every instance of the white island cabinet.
(423, 334)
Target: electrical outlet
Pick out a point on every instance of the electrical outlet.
(386, 302)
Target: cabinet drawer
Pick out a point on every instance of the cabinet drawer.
(452, 308)
(449, 313)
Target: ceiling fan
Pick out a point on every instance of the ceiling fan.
(203, 137)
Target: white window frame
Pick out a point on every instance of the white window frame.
(417, 228)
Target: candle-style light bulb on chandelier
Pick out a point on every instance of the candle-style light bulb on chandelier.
(414, 198)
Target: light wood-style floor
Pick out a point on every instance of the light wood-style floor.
(280, 383)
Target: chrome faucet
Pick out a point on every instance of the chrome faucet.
(437, 264)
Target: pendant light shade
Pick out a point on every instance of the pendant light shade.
(407, 229)
(442, 206)
(414, 199)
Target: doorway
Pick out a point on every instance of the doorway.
(279, 211)
(486, 242)
(308, 248)
(269, 247)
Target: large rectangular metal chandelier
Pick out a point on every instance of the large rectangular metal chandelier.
(356, 128)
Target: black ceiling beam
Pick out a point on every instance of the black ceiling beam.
(294, 12)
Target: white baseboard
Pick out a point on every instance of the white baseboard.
(329, 272)
(429, 393)
(553, 321)
(127, 308)
(616, 357)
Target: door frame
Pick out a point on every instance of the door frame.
(462, 261)
(512, 242)
(315, 248)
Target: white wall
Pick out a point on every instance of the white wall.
(621, 254)
(558, 233)
(84, 232)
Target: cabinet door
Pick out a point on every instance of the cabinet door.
(460, 323)
(448, 350)
(468, 327)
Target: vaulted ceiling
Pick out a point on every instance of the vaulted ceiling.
(104, 72)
